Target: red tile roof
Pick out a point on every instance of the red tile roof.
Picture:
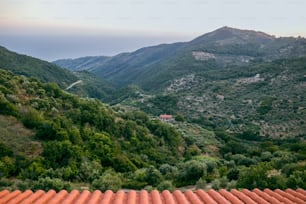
(154, 197)
(165, 116)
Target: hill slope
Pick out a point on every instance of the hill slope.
(32, 67)
(91, 86)
(264, 98)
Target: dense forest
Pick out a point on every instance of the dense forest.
(51, 139)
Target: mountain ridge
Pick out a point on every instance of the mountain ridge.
(148, 67)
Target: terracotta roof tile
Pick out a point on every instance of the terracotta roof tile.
(296, 194)
(266, 196)
(278, 197)
(255, 197)
(219, 198)
(302, 191)
(231, 197)
(289, 196)
(192, 197)
(205, 197)
(154, 197)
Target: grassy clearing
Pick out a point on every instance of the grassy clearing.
(17, 137)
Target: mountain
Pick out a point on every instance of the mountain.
(124, 68)
(33, 67)
(152, 68)
(237, 80)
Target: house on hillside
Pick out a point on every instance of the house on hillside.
(166, 118)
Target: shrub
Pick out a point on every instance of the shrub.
(5, 150)
(201, 184)
(6, 166)
(110, 180)
(4, 183)
(168, 171)
(6, 108)
(166, 185)
(47, 184)
(31, 118)
(33, 171)
(89, 171)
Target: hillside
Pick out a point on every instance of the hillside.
(91, 86)
(55, 140)
(265, 98)
(72, 132)
(83, 63)
(32, 67)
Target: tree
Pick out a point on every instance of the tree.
(101, 147)
(152, 176)
(59, 154)
(191, 171)
(255, 176)
(297, 180)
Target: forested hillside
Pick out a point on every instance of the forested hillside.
(32, 67)
(90, 85)
(51, 139)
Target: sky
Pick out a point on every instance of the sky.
(55, 29)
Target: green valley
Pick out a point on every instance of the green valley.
(237, 97)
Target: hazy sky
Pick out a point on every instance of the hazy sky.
(52, 29)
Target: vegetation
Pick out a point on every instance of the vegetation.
(257, 100)
(69, 141)
(32, 67)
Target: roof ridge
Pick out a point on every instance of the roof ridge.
(155, 197)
